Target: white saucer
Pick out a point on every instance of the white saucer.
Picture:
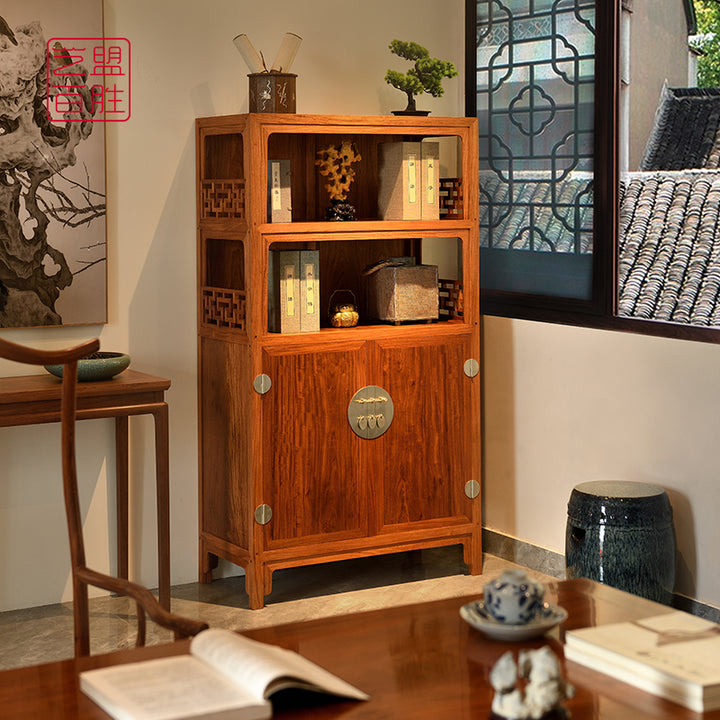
(548, 617)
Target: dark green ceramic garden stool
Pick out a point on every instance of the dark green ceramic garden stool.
(622, 534)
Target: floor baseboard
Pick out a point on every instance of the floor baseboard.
(552, 563)
(524, 553)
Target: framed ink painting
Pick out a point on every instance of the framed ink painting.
(53, 252)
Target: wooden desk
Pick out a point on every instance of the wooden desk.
(421, 662)
(35, 399)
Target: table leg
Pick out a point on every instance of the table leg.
(162, 479)
(121, 493)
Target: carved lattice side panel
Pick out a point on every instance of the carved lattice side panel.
(224, 308)
(223, 199)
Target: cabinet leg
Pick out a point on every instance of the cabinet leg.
(258, 584)
(472, 555)
(208, 562)
(255, 587)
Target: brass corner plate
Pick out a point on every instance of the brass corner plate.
(471, 367)
(472, 489)
(263, 514)
(262, 384)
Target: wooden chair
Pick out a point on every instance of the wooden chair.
(83, 576)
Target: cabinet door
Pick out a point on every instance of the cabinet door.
(313, 477)
(419, 467)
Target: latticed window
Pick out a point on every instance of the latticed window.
(535, 105)
(599, 157)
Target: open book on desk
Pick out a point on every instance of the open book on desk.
(675, 656)
(226, 677)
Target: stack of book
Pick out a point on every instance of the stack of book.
(294, 297)
(279, 192)
(675, 656)
(408, 181)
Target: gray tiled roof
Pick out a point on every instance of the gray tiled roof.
(669, 254)
(669, 234)
(685, 131)
(532, 213)
(669, 237)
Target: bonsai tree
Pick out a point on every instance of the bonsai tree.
(426, 75)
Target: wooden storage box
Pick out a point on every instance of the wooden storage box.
(403, 293)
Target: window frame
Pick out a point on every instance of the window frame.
(600, 312)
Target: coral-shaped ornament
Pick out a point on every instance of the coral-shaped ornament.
(335, 163)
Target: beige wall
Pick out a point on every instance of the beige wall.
(566, 405)
(184, 66)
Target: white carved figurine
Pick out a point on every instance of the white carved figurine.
(544, 690)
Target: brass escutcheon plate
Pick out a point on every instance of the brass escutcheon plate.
(370, 412)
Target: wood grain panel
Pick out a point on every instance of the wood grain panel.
(224, 437)
(309, 196)
(225, 263)
(314, 474)
(223, 157)
(425, 459)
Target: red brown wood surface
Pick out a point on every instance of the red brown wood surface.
(314, 474)
(418, 662)
(332, 495)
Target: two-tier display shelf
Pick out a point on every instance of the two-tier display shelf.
(341, 442)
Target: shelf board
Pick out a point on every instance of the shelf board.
(437, 228)
(326, 124)
(411, 331)
(378, 228)
(224, 226)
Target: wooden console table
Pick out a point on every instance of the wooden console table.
(35, 399)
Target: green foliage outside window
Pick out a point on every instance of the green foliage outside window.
(707, 13)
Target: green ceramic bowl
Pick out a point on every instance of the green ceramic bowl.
(99, 366)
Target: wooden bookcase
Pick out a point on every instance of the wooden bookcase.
(284, 479)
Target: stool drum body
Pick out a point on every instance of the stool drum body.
(622, 534)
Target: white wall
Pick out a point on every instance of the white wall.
(184, 66)
(566, 405)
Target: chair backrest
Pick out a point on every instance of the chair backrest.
(82, 575)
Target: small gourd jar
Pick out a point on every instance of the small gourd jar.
(343, 314)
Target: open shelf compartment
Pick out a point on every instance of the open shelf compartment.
(310, 199)
(339, 275)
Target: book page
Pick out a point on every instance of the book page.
(167, 688)
(264, 668)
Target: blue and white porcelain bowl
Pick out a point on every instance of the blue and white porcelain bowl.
(513, 598)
